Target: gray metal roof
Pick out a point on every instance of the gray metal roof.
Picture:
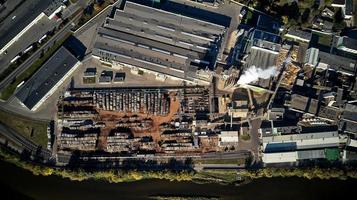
(302, 136)
(188, 10)
(348, 126)
(51, 72)
(159, 41)
(350, 43)
(339, 2)
(152, 45)
(261, 58)
(311, 154)
(119, 76)
(338, 63)
(351, 155)
(303, 103)
(300, 33)
(169, 17)
(306, 140)
(350, 112)
(329, 112)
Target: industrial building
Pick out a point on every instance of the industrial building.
(295, 156)
(166, 44)
(287, 143)
(47, 79)
(345, 44)
(324, 60)
(258, 48)
(298, 35)
(304, 104)
(300, 141)
(302, 146)
(348, 121)
(228, 138)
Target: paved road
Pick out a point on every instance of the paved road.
(254, 135)
(199, 167)
(226, 155)
(8, 7)
(35, 56)
(26, 13)
(42, 26)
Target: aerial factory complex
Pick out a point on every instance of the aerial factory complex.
(206, 80)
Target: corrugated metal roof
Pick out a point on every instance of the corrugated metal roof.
(296, 137)
(280, 157)
(304, 141)
(311, 154)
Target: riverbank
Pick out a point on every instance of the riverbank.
(26, 184)
(223, 177)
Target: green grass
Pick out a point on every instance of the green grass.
(323, 39)
(7, 92)
(97, 9)
(245, 137)
(88, 80)
(248, 18)
(8, 71)
(140, 72)
(216, 176)
(36, 131)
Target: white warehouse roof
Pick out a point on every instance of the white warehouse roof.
(280, 157)
(304, 141)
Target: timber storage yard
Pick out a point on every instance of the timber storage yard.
(177, 79)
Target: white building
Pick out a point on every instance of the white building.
(228, 138)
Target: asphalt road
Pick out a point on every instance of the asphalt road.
(26, 13)
(226, 155)
(8, 7)
(218, 166)
(33, 34)
(35, 56)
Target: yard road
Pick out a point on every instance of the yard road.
(199, 167)
(226, 155)
(254, 134)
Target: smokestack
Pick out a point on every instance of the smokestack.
(252, 74)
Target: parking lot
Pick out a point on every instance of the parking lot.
(131, 80)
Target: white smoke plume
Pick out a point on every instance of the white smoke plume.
(253, 73)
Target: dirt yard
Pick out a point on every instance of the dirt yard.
(110, 118)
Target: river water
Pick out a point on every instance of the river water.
(17, 183)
